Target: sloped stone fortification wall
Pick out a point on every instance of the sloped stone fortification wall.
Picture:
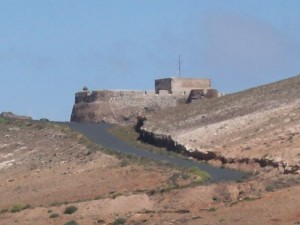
(118, 106)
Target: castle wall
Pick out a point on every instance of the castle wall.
(188, 84)
(118, 106)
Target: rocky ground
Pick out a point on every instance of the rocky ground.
(46, 168)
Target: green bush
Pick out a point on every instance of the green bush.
(201, 176)
(4, 120)
(72, 222)
(269, 188)
(19, 208)
(44, 120)
(168, 188)
(211, 209)
(233, 203)
(248, 199)
(119, 221)
(215, 199)
(54, 215)
(70, 210)
(3, 211)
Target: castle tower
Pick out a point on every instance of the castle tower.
(177, 85)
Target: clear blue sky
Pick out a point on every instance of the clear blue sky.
(49, 49)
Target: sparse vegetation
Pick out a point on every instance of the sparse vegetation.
(200, 176)
(151, 192)
(116, 194)
(19, 208)
(215, 199)
(249, 199)
(168, 188)
(119, 221)
(3, 211)
(4, 120)
(70, 210)
(233, 203)
(54, 215)
(269, 188)
(187, 178)
(72, 222)
(212, 209)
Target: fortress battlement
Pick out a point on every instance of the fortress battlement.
(123, 105)
(109, 95)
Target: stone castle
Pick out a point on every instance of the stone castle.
(113, 106)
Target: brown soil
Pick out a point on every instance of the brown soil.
(51, 167)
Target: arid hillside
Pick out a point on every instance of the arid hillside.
(52, 175)
(46, 167)
(259, 125)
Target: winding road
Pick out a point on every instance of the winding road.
(98, 133)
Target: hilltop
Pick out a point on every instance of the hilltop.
(260, 125)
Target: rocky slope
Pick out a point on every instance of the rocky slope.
(259, 125)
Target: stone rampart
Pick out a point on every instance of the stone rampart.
(119, 106)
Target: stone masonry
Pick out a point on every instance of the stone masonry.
(124, 106)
